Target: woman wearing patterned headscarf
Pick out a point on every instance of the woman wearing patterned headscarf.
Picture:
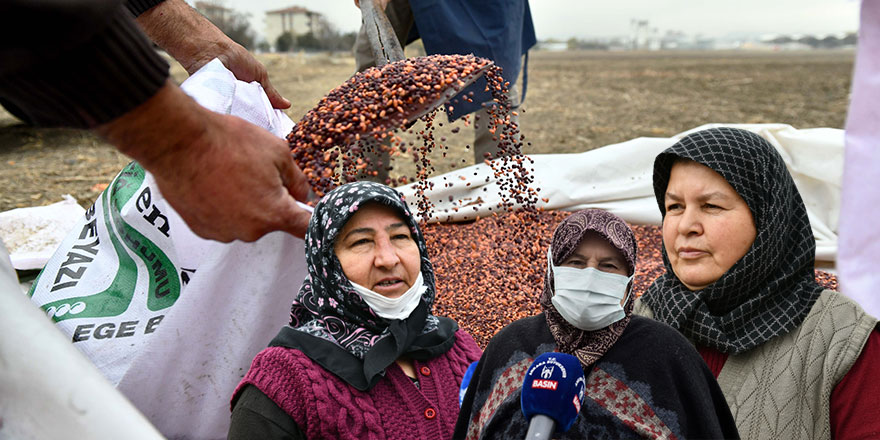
(363, 357)
(643, 379)
(794, 360)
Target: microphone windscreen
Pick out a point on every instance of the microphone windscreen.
(465, 381)
(555, 387)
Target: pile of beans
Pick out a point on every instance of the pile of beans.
(490, 272)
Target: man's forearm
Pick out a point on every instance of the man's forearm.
(167, 122)
(183, 32)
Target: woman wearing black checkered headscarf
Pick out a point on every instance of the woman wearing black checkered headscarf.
(794, 360)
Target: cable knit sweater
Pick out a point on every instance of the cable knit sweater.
(324, 406)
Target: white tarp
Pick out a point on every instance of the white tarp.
(617, 178)
(32, 234)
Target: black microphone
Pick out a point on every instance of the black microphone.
(552, 394)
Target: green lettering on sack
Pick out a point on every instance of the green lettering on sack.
(114, 300)
(164, 282)
(94, 251)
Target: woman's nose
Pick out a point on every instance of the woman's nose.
(690, 222)
(386, 254)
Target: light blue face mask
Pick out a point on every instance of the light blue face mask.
(588, 299)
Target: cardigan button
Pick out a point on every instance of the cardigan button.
(430, 413)
(425, 371)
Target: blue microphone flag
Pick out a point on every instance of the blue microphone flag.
(554, 386)
(465, 381)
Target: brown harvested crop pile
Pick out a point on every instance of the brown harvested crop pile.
(490, 272)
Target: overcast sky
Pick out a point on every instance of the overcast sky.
(563, 19)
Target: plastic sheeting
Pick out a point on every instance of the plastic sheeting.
(860, 209)
(237, 300)
(179, 358)
(32, 234)
(48, 390)
(618, 178)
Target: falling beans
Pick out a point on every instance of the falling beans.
(335, 142)
(332, 143)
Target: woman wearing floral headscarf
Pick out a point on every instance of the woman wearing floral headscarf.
(794, 360)
(643, 379)
(363, 357)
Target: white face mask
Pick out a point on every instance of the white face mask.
(588, 299)
(393, 308)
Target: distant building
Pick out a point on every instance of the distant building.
(214, 12)
(296, 20)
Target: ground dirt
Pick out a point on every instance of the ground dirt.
(576, 101)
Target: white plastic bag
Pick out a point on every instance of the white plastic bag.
(171, 319)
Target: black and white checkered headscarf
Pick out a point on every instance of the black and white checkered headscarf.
(772, 288)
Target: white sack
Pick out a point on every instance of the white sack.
(176, 346)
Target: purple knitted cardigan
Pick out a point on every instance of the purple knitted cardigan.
(325, 406)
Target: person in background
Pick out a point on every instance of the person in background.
(501, 31)
(363, 357)
(87, 64)
(793, 359)
(644, 380)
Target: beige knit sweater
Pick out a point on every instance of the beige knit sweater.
(782, 389)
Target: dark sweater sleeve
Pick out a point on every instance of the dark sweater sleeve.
(255, 416)
(138, 7)
(77, 64)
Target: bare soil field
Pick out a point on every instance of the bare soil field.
(576, 101)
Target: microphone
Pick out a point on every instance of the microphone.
(465, 381)
(552, 394)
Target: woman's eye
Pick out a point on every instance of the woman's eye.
(609, 265)
(673, 207)
(401, 237)
(360, 241)
(711, 206)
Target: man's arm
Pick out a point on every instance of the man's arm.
(228, 179)
(193, 41)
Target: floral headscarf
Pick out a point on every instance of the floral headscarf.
(587, 346)
(330, 322)
(772, 288)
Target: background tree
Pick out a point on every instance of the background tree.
(308, 41)
(285, 42)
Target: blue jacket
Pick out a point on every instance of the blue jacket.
(500, 30)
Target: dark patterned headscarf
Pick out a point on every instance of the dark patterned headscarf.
(772, 288)
(330, 322)
(587, 346)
